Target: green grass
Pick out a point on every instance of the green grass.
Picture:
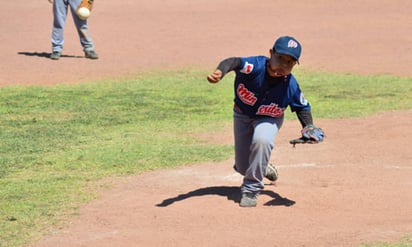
(403, 242)
(343, 96)
(58, 141)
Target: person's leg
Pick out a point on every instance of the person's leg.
(59, 20)
(254, 142)
(262, 144)
(82, 29)
(243, 133)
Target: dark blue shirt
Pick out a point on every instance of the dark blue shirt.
(258, 94)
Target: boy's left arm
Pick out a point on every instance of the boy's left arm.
(310, 133)
(305, 117)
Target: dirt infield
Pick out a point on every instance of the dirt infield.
(353, 188)
(357, 36)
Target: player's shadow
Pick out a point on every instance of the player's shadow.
(231, 193)
(44, 54)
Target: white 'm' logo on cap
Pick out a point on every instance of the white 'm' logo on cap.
(292, 43)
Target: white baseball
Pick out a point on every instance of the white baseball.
(83, 13)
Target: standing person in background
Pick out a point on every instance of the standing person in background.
(264, 88)
(60, 10)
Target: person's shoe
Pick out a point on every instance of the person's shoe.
(91, 54)
(55, 55)
(271, 173)
(248, 199)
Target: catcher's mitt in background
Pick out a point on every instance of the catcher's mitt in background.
(310, 134)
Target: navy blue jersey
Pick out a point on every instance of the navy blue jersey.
(258, 94)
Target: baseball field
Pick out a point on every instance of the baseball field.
(136, 148)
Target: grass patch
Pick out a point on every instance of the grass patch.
(56, 141)
(343, 96)
(403, 242)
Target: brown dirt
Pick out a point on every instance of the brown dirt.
(352, 188)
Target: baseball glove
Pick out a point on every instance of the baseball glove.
(310, 134)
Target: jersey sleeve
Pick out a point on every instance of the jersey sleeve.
(305, 117)
(298, 100)
(229, 64)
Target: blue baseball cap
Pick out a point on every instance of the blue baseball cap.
(288, 45)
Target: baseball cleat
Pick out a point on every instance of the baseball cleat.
(249, 199)
(91, 54)
(55, 55)
(272, 173)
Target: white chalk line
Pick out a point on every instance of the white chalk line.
(399, 167)
(301, 165)
(236, 176)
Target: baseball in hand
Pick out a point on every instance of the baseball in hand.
(83, 13)
(215, 76)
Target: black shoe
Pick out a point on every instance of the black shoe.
(55, 55)
(91, 54)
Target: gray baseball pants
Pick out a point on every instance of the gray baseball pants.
(254, 142)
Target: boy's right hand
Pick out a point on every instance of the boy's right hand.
(215, 76)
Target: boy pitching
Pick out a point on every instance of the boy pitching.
(264, 88)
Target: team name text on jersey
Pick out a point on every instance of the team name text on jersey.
(272, 110)
(245, 95)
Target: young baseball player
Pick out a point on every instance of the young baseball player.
(264, 88)
(60, 10)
